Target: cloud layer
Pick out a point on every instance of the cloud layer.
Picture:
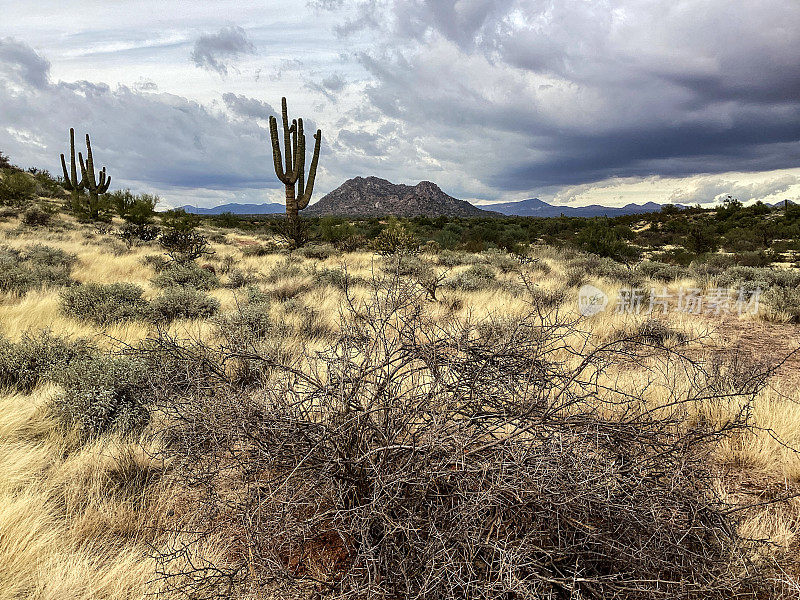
(492, 99)
(216, 51)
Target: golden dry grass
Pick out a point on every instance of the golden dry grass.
(75, 520)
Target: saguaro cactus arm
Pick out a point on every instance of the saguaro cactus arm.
(71, 181)
(305, 195)
(87, 169)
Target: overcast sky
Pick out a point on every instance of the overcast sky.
(571, 101)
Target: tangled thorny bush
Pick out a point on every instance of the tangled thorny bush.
(423, 458)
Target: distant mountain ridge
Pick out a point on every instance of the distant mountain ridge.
(237, 209)
(534, 207)
(376, 197)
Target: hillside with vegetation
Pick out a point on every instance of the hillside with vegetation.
(231, 406)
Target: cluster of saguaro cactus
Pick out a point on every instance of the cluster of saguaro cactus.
(298, 189)
(95, 184)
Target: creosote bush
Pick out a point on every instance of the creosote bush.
(104, 304)
(36, 357)
(34, 267)
(102, 394)
(185, 275)
(181, 302)
(477, 277)
(428, 459)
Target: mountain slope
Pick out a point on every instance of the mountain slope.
(375, 197)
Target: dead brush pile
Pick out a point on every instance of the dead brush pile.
(424, 458)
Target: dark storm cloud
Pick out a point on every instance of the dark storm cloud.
(248, 107)
(215, 51)
(567, 92)
(157, 139)
(20, 63)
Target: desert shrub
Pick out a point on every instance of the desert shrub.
(317, 251)
(395, 239)
(597, 266)
(652, 331)
(285, 269)
(36, 216)
(288, 289)
(132, 233)
(352, 243)
(102, 394)
(337, 278)
(135, 209)
(185, 275)
(475, 278)
(35, 357)
(238, 278)
(184, 246)
(503, 261)
(250, 321)
(260, 249)
(16, 189)
(104, 304)
(420, 459)
(181, 302)
(546, 299)
(660, 271)
(750, 278)
(35, 267)
(781, 304)
(758, 258)
(155, 261)
(452, 258)
(432, 247)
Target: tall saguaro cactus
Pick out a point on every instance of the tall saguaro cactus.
(95, 184)
(298, 189)
(71, 182)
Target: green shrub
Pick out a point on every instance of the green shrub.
(452, 258)
(182, 302)
(286, 269)
(35, 357)
(660, 271)
(104, 304)
(36, 216)
(395, 239)
(103, 394)
(35, 267)
(477, 277)
(238, 278)
(337, 278)
(260, 249)
(782, 303)
(503, 261)
(317, 251)
(17, 189)
(248, 322)
(186, 275)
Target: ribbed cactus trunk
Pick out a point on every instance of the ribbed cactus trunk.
(94, 184)
(290, 166)
(71, 181)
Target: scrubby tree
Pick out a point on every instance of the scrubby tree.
(180, 239)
